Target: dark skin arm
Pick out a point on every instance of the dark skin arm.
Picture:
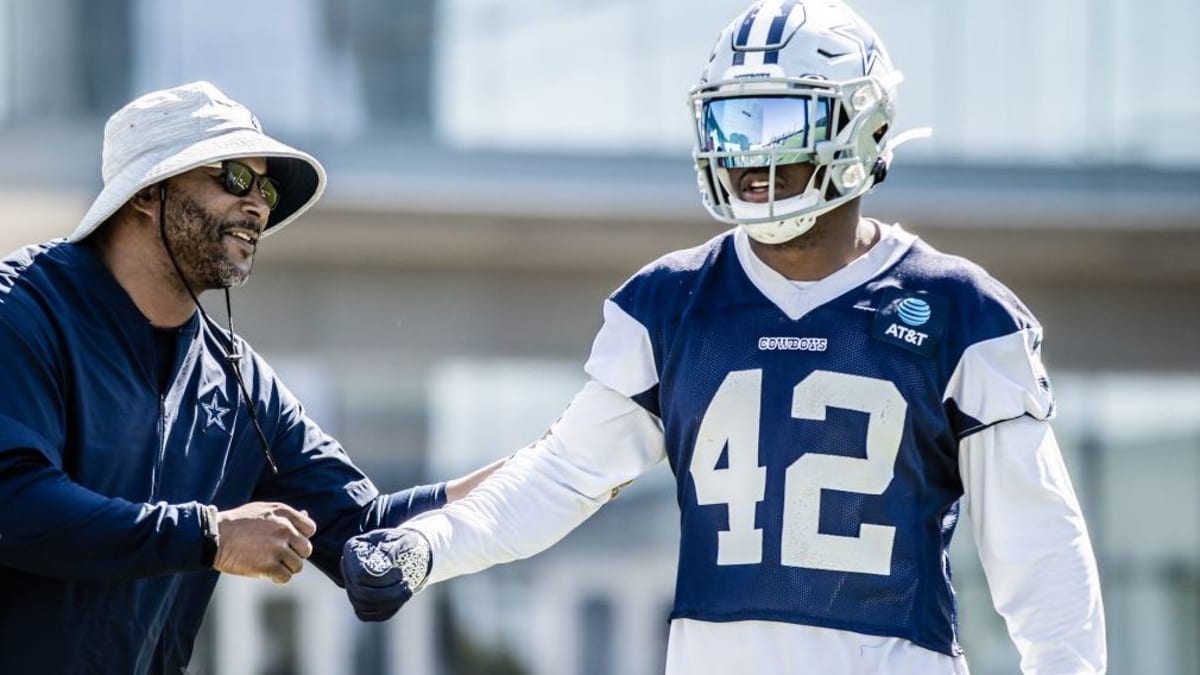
(459, 487)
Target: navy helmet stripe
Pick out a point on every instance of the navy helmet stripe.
(776, 32)
(743, 36)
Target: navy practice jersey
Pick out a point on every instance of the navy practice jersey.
(102, 472)
(814, 429)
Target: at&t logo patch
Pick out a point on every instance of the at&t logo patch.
(909, 335)
(912, 320)
(914, 311)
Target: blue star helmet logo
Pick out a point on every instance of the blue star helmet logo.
(868, 48)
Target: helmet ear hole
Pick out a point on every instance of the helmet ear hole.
(880, 170)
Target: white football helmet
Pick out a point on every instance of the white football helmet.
(794, 81)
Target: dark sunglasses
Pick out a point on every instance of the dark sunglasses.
(238, 179)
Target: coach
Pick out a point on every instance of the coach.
(144, 448)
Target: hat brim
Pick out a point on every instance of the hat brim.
(301, 177)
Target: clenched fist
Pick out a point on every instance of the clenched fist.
(263, 539)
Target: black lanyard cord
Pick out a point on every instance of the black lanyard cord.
(232, 354)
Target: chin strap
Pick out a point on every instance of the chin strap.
(232, 354)
(910, 135)
(884, 163)
(901, 138)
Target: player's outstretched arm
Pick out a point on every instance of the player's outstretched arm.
(1034, 547)
(541, 493)
(457, 488)
(382, 570)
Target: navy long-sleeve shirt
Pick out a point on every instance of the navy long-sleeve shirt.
(103, 472)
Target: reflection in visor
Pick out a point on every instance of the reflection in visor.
(756, 125)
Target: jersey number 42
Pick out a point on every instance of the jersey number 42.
(732, 421)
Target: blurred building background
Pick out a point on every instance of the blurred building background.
(497, 167)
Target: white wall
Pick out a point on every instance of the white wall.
(481, 409)
(1025, 81)
(270, 55)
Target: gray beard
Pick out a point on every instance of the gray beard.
(196, 239)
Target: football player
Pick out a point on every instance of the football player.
(830, 392)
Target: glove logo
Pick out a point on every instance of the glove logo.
(373, 558)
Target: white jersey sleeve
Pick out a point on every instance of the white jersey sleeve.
(603, 440)
(1034, 545)
(622, 355)
(1000, 379)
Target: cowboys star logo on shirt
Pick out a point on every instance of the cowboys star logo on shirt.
(373, 558)
(215, 413)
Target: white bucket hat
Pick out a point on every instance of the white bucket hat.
(172, 131)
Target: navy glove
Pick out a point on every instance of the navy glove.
(383, 568)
